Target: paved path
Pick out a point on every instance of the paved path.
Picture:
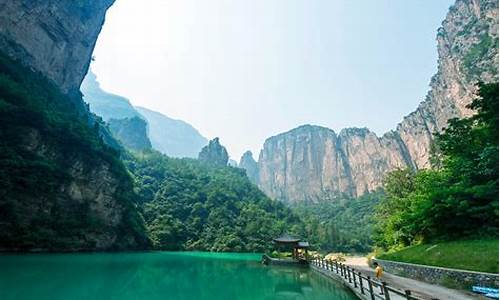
(418, 288)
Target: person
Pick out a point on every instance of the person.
(378, 270)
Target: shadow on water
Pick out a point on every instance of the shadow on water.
(158, 275)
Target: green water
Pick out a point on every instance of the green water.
(158, 275)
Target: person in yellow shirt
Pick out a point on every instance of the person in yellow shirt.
(378, 270)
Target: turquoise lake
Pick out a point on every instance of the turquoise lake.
(158, 275)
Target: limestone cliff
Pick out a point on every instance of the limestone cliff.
(54, 37)
(172, 137)
(250, 165)
(467, 53)
(104, 104)
(311, 162)
(131, 132)
(61, 187)
(214, 154)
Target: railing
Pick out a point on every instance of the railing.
(367, 286)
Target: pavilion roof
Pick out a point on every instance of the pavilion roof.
(286, 238)
(303, 244)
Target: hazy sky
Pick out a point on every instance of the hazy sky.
(247, 70)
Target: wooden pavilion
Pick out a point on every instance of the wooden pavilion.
(293, 244)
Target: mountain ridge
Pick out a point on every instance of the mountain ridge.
(310, 162)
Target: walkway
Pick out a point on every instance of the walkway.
(418, 288)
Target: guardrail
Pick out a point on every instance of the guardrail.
(365, 285)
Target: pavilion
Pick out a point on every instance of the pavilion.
(293, 244)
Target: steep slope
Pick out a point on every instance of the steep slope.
(190, 205)
(131, 132)
(468, 52)
(250, 165)
(54, 37)
(214, 154)
(106, 105)
(311, 162)
(172, 137)
(61, 187)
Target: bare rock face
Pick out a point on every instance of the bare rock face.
(54, 37)
(214, 154)
(310, 162)
(86, 201)
(468, 52)
(250, 165)
(131, 132)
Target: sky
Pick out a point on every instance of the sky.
(244, 71)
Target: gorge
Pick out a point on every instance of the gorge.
(313, 163)
(67, 184)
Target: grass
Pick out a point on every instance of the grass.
(474, 255)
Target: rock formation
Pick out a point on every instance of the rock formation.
(54, 37)
(174, 138)
(131, 132)
(310, 162)
(250, 165)
(104, 104)
(214, 154)
(68, 191)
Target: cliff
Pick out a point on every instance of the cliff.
(174, 138)
(250, 165)
(104, 104)
(214, 154)
(131, 132)
(311, 162)
(62, 188)
(54, 37)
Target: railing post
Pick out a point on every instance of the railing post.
(349, 274)
(361, 283)
(408, 294)
(385, 290)
(346, 271)
(354, 278)
(337, 267)
(370, 288)
(341, 270)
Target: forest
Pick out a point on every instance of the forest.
(191, 205)
(458, 197)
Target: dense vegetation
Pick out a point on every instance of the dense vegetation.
(475, 255)
(458, 197)
(189, 205)
(43, 134)
(343, 225)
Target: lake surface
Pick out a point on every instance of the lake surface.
(158, 275)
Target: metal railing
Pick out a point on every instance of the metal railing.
(371, 288)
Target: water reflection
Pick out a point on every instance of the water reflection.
(158, 275)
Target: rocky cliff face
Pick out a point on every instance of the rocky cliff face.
(250, 165)
(311, 162)
(54, 37)
(131, 132)
(174, 138)
(104, 104)
(214, 154)
(468, 52)
(61, 187)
